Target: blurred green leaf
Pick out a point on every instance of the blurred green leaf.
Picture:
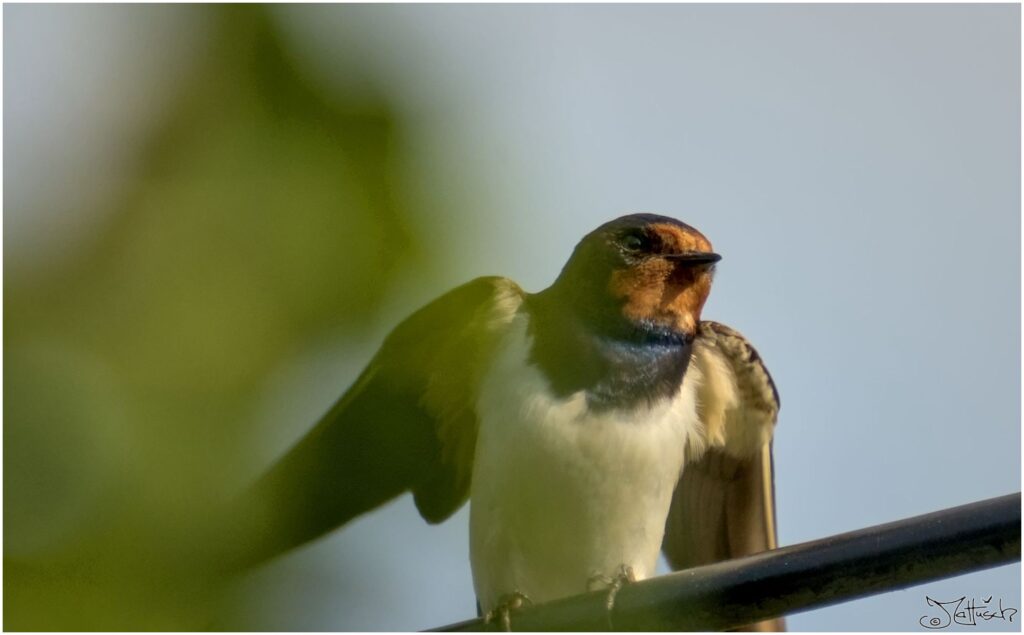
(264, 214)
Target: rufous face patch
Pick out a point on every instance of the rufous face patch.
(678, 239)
(658, 289)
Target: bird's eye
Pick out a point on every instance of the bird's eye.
(633, 242)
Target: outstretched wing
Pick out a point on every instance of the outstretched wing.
(724, 504)
(408, 423)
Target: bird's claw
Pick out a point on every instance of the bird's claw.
(625, 576)
(503, 611)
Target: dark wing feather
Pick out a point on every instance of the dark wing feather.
(724, 504)
(408, 423)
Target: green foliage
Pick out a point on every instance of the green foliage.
(262, 216)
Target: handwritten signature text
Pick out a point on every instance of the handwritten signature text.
(965, 611)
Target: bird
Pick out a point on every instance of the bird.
(591, 426)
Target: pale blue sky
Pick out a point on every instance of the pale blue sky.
(857, 166)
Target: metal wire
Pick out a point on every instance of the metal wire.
(797, 578)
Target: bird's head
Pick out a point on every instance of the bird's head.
(647, 270)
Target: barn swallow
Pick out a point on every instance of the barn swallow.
(591, 425)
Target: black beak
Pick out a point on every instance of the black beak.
(694, 258)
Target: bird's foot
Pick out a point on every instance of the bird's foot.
(625, 576)
(503, 611)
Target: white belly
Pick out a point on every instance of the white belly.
(561, 494)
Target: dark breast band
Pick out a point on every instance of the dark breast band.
(616, 365)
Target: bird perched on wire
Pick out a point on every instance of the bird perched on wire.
(592, 425)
